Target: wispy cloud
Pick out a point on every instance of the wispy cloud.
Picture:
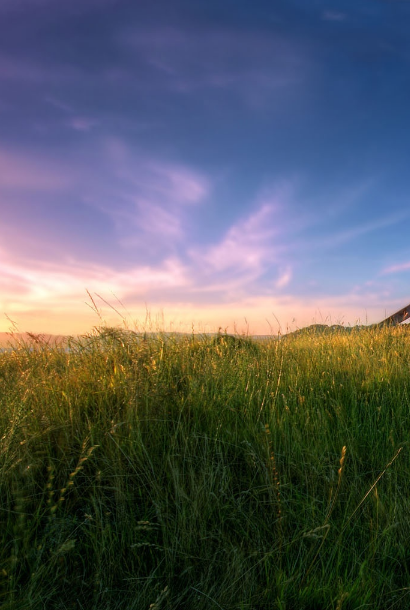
(218, 59)
(43, 297)
(179, 183)
(397, 268)
(152, 197)
(246, 246)
(143, 203)
(256, 315)
(183, 292)
(163, 180)
(74, 120)
(152, 220)
(82, 123)
(44, 283)
(47, 297)
(284, 278)
(354, 232)
(250, 250)
(333, 16)
(23, 172)
(59, 104)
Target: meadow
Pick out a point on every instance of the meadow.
(158, 471)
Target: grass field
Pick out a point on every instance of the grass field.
(166, 472)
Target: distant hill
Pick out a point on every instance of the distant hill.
(324, 329)
(14, 339)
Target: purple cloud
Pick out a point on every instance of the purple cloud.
(22, 173)
(256, 66)
(82, 123)
(152, 198)
(398, 268)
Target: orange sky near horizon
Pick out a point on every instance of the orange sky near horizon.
(253, 316)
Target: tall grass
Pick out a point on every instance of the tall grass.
(159, 471)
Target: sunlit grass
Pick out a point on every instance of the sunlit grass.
(170, 471)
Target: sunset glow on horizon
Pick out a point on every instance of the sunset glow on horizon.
(203, 165)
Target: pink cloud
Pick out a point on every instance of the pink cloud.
(61, 289)
(252, 248)
(246, 246)
(45, 297)
(253, 314)
(48, 281)
(154, 220)
(77, 122)
(397, 268)
(56, 103)
(163, 182)
(284, 278)
(147, 200)
(179, 183)
(29, 173)
(82, 123)
(152, 198)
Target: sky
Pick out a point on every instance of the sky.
(195, 165)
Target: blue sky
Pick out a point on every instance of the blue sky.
(217, 164)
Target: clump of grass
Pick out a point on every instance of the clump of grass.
(151, 470)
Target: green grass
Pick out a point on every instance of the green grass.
(196, 473)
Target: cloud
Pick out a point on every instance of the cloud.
(250, 258)
(186, 293)
(245, 247)
(148, 198)
(49, 297)
(46, 284)
(162, 180)
(333, 16)
(155, 220)
(53, 308)
(60, 105)
(24, 173)
(75, 121)
(397, 268)
(222, 272)
(179, 183)
(352, 233)
(143, 205)
(254, 65)
(284, 278)
(82, 123)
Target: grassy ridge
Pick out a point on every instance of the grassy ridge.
(186, 472)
